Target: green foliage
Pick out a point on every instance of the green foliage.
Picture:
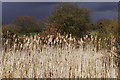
(69, 18)
(9, 31)
(12, 29)
(27, 34)
(93, 33)
(106, 28)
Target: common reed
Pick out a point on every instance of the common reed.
(58, 56)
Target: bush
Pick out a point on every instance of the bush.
(10, 30)
(71, 19)
(27, 24)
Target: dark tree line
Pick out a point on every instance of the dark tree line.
(66, 18)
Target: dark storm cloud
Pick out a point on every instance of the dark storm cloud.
(99, 6)
(28, 4)
(101, 10)
(38, 10)
(43, 9)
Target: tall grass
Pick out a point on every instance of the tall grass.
(60, 56)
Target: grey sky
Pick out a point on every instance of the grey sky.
(99, 10)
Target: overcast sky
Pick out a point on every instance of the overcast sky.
(10, 10)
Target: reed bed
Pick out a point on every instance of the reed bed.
(58, 56)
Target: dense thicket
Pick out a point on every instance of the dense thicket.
(70, 18)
